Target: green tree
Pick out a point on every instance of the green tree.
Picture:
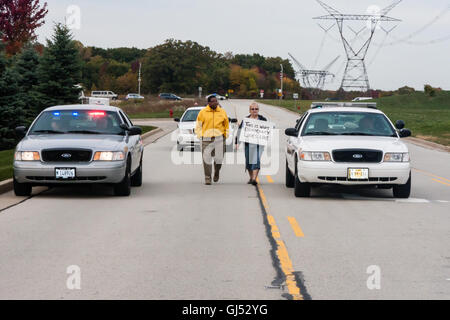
(11, 107)
(59, 69)
(28, 80)
(177, 66)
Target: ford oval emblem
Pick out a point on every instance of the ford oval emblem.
(66, 155)
(357, 156)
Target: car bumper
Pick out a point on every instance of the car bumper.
(40, 173)
(337, 173)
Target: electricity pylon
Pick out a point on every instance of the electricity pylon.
(313, 79)
(355, 74)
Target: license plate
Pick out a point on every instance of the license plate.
(358, 174)
(64, 173)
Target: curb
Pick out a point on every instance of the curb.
(7, 185)
(428, 144)
(150, 133)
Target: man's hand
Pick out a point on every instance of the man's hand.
(237, 146)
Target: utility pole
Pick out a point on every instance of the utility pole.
(139, 80)
(281, 78)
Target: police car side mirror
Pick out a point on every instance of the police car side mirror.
(134, 131)
(400, 124)
(234, 120)
(21, 131)
(404, 133)
(176, 119)
(291, 132)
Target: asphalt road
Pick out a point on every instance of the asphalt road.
(175, 238)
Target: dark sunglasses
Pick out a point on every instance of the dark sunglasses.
(254, 109)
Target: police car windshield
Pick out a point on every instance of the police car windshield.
(77, 121)
(190, 115)
(348, 123)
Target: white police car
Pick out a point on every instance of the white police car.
(347, 144)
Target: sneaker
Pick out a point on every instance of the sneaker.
(249, 181)
(208, 181)
(254, 182)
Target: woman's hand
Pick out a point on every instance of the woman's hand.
(237, 146)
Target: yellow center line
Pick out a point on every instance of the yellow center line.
(269, 178)
(431, 175)
(296, 227)
(281, 252)
(447, 184)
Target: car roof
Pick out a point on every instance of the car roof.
(345, 109)
(83, 107)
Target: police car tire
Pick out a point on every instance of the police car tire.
(290, 179)
(301, 189)
(22, 189)
(402, 191)
(136, 179)
(123, 188)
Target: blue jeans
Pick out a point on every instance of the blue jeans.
(253, 154)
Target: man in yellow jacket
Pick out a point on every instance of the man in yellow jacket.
(212, 129)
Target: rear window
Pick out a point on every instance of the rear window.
(77, 121)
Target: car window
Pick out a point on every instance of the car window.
(124, 119)
(190, 115)
(128, 119)
(77, 121)
(348, 123)
(300, 121)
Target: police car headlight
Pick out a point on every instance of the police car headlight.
(27, 156)
(109, 156)
(396, 157)
(185, 131)
(315, 156)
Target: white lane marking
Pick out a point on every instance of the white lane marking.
(442, 201)
(412, 200)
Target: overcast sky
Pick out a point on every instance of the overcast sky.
(273, 28)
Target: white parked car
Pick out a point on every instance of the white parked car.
(134, 96)
(218, 96)
(187, 139)
(362, 99)
(104, 94)
(347, 144)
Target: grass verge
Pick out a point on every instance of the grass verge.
(427, 117)
(6, 164)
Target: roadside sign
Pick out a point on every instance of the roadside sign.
(295, 95)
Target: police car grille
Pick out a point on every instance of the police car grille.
(357, 155)
(67, 155)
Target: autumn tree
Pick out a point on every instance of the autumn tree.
(18, 21)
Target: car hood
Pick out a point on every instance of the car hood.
(188, 125)
(330, 143)
(82, 141)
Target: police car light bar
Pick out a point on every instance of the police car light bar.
(318, 105)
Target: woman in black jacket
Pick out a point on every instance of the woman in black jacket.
(253, 152)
